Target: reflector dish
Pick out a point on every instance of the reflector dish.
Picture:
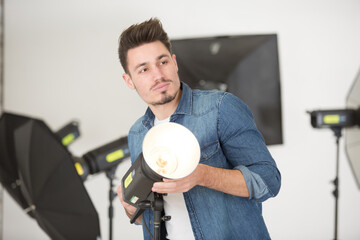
(171, 150)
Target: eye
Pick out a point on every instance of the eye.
(164, 62)
(143, 70)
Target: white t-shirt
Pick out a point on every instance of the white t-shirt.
(179, 226)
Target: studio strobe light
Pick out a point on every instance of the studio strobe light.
(336, 120)
(171, 151)
(105, 158)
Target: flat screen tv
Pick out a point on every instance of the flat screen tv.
(246, 66)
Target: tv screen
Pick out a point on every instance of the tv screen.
(246, 66)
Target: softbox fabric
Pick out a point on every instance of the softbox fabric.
(246, 66)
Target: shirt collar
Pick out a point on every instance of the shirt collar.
(185, 104)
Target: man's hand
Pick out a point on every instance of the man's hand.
(129, 209)
(180, 185)
(223, 180)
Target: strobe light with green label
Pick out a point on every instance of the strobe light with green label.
(171, 151)
(103, 158)
(69, 133)
(337, 120)
(334, 118)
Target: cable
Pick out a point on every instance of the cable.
(146, 227)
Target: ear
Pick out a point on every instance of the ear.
(174, 60)
(128, 81)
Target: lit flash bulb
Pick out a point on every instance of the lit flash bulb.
(163, 160)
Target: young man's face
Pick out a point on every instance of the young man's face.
(153, 73)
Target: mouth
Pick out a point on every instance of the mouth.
(160, 87)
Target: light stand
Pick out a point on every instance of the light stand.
(337, 132)
(104, 158)
(171, 151)
(157, 205)
(110, 174)
(336, 120)
(142, 179)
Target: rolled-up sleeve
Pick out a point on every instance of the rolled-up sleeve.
(245, 148)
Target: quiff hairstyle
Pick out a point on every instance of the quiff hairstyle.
(139, 34)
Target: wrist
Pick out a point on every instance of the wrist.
(201, 176)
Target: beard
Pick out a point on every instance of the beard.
(165, 98)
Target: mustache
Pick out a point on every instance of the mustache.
(160, 82)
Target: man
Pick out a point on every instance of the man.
(222, 198)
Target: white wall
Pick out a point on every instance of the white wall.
(61, 63)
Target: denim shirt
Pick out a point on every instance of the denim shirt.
(228, 137)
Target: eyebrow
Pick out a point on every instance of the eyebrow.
(144, 63)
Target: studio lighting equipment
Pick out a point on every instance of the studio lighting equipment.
(244, 65)
(69, 133)
(169, 150)
(105, 158)
(9, 176)
(38, 172)
(337, 120)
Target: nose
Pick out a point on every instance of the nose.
(158, 74)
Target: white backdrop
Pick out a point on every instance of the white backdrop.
(61, 64)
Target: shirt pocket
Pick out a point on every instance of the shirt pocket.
(208, 151)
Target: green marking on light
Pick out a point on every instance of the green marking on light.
(111, 157)
(68, 139)
(128, 180)
(332, 119)
(79, 169)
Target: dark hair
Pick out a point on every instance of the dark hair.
(139, 34)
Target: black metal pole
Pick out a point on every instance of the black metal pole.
(337, 132)
(157, 209)
(111, 209)
(157, 206)
(110, 174)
